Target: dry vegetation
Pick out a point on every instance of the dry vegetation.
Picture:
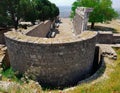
(113, 26)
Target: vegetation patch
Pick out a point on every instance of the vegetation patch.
(11, 75)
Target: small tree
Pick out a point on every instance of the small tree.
(102, 12)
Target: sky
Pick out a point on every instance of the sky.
(63, 2)
(116, 3)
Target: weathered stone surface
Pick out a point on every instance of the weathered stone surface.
(107, 51)
(80, 20)
(41, 30)
(108, 37)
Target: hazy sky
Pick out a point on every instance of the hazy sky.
(63, 2)
(116, 3)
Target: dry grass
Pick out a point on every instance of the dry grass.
(113, 26)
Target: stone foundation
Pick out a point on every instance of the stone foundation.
(2, 40)
(52, 62)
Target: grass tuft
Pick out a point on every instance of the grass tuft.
(11, 75)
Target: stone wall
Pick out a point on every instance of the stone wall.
(2, 40)
(108, 38)
(105, 37)
(116, 38)
(80, 19)
(41, 30)
(50, 61)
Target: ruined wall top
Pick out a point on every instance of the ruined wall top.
(82, 11)
(81, 18)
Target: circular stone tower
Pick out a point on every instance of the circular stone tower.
(54, 62)
(60, 61)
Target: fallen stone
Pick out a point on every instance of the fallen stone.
(3, 49)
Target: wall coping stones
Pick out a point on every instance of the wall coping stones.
(105, 32)
(116, 34)
(39, 40)
(26, 31)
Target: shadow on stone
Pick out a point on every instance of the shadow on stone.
(99, 67)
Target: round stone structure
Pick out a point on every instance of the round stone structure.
(51, 61)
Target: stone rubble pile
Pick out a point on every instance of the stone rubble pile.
(3, 48)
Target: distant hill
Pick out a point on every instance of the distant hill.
(64, 11)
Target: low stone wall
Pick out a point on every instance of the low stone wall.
(108, 38)
(50, 61)
(116, 38)
(105, 37)
(41, 30)
(77, 24)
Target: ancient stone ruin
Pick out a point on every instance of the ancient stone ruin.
(81, 19)
(56, 61)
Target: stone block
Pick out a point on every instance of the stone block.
(80, 20)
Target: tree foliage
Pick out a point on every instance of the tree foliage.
(11, 11)
(46, 10)
(102, 10)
